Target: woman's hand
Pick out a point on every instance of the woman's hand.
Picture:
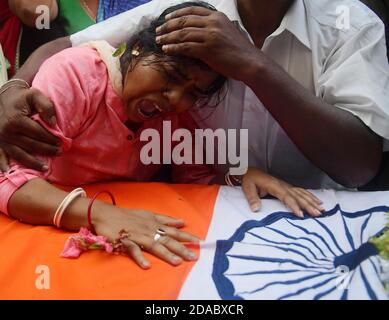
(136, 230)
(256, 184)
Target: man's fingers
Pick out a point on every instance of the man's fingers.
(190, 11)
(191, 49)
(170, 221)
(36, 147)
(24, 158)
(135, 252)
(180, 24)
(251, 193)
(183, 35)
(44, 106)
(3, 161)
(34, 130)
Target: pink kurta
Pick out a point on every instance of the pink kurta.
(97, 145)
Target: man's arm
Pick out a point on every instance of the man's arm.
(30, 68)
(26, 10)
(333, 139)
(20, 136)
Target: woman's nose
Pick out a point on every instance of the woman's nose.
(180, 100)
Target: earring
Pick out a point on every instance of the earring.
(135, 53)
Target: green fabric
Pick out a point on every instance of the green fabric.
(75, 16)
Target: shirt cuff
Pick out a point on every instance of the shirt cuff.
(9, 183)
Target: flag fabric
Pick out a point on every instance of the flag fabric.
(275, 255)
(244, 255)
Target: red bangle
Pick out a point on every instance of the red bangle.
(90, 225)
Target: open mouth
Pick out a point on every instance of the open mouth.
(148, 109)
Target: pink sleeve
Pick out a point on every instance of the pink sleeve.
(74, 80)
(191, 173)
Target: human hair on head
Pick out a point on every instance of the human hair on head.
(145, 45)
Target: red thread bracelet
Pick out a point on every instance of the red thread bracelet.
(90, 225)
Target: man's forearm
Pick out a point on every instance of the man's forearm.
(29, 69)
(26, 10)
(333, 139)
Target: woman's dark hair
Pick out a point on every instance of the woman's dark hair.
(145, 43)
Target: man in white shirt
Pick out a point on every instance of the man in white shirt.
(309, 79)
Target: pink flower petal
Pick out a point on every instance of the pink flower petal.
(83, 241)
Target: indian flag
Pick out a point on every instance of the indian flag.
(243, 255)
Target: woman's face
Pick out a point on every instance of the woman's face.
(147, 93)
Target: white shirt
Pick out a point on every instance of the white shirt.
(347, 68)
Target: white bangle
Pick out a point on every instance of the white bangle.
(227, 179)
(231, 180)
(65, 203)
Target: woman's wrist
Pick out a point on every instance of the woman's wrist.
(76, 215)
(98, 212)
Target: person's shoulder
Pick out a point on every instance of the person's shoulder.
(76, 55)
(335, 14)
(83, 61)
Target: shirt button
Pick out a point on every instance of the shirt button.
(130, 137)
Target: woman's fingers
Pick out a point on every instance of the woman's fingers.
(160, 251)
(251, 193)
(180, 235)
(307, 202)
(135, 252)
(169, 221)
(296, 199)
(178, 248)
(166, 249)
(311, 195)
(292, 204)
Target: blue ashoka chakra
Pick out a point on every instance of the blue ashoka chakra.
(284, 257)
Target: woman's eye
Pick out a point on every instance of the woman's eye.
(194, 97)
(165, 91)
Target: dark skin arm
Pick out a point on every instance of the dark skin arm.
(26, 10)
(19, 135)
(333, 139)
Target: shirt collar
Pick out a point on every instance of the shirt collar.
(295, 20)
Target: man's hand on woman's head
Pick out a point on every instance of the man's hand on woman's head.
(21, 137)
(211, 37)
